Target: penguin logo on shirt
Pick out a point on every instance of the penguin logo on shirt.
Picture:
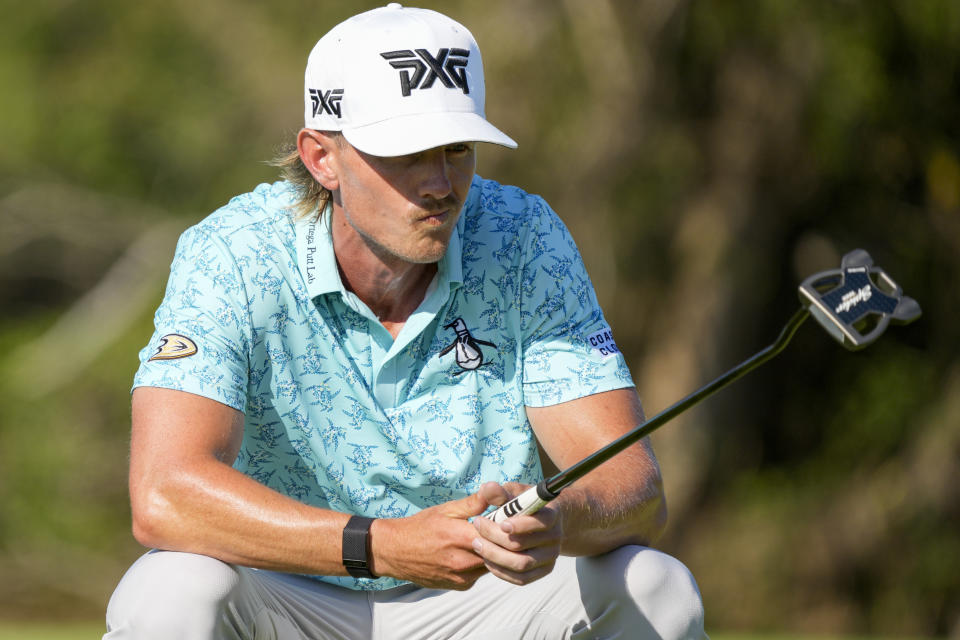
(173, 346)
(468, 353)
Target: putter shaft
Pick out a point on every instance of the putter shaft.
(839, 299)
(534, 498)
(556, 483)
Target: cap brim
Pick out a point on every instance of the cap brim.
(408, 134)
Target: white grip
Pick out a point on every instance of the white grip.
(526, 503)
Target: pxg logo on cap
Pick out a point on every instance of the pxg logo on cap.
(326, 101)
(447, 67)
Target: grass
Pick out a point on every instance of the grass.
(786, 635)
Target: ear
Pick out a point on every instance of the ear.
(319, 153)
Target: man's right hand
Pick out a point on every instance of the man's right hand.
(433, 548)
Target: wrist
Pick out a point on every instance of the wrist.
(355, 547)
(385, 535)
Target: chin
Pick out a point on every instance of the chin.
(427, 257)
(431, 250)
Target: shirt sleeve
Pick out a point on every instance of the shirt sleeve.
(568, 347)
(202, 336)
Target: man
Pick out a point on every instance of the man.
(351, 365)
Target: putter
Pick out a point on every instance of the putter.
(854, 304)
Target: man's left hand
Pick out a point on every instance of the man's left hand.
(522, 548)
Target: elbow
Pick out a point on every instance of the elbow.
(658, 513)
(151, 515)
(145, 532)
(651, 521)
(658, 520)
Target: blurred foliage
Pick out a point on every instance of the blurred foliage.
(707, 156)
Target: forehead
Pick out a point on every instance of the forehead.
(450, 151)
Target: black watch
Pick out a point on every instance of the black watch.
(356, 547)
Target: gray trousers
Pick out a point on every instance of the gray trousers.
(632, 592)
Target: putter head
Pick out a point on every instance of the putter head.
(856, 302)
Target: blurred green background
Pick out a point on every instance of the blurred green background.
(707, 156)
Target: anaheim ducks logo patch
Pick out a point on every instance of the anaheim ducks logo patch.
(173, 346)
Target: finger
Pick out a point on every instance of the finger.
(494, 494)
(542, 520)
(462, 581)
(520, 544)
(521, 532)
(520, 579)
(518, 568)
(515, 488)
(521, 562)
(468, 507)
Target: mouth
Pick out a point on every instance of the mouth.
(438, 213)
(437, 218)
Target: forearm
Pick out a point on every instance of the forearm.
(621, 502)
(217, 511)
(209, 508)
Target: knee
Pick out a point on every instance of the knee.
(666, 587)
(167, 594)
(656, 586)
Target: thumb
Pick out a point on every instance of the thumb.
(475, 503)
(497, 494)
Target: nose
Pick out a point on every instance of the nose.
(435, 177)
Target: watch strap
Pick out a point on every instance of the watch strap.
(356, 547)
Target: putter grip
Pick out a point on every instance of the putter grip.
(530, 501)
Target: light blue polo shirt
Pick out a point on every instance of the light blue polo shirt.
(339, 414)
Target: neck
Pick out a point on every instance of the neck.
(391, 287)
(392, 294)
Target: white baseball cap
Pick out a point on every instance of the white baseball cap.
(398, 80)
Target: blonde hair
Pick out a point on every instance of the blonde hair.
(312, 197)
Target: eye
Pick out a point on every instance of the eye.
(401, 161)
(460, 148)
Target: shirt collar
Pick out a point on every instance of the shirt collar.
(315, 256)
(450, 267)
